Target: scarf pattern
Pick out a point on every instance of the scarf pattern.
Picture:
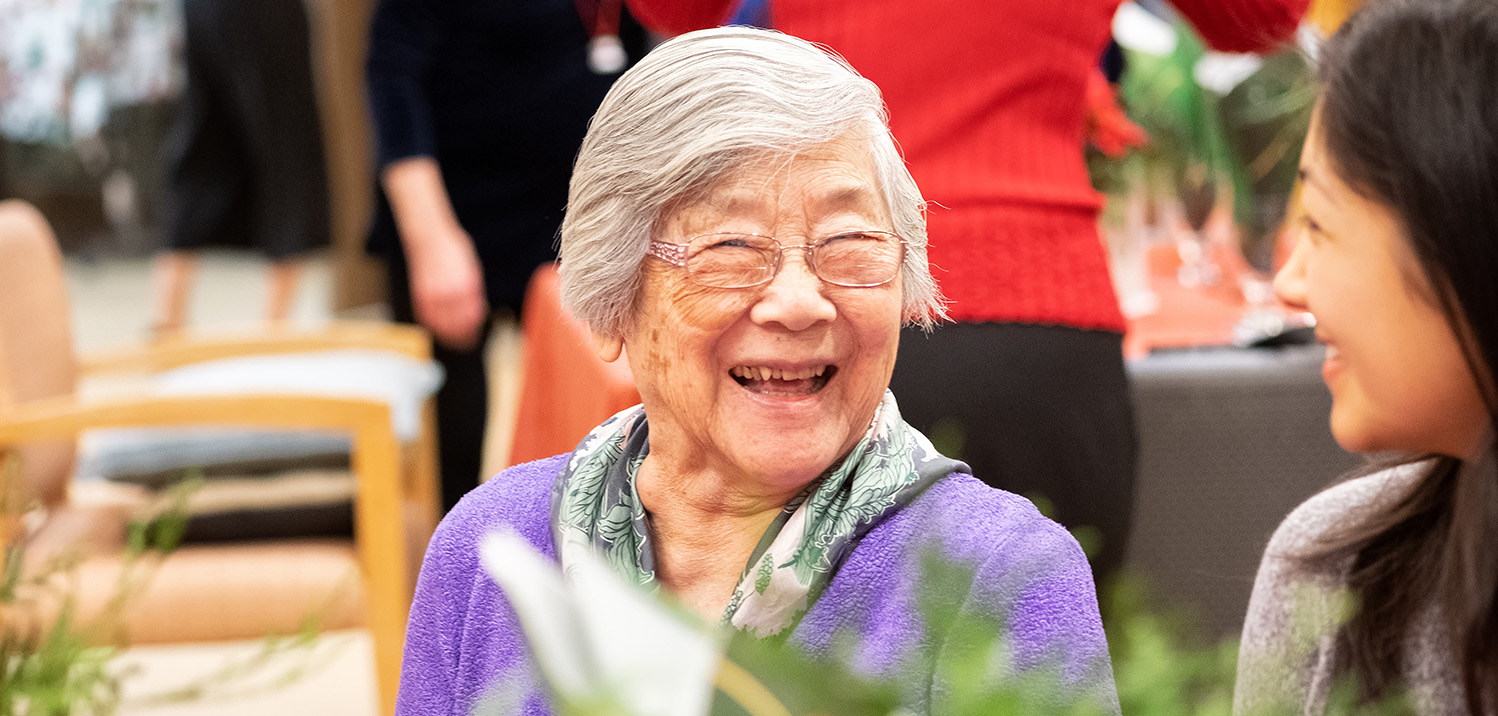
(595, 506)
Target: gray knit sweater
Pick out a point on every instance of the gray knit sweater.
(1286, 659)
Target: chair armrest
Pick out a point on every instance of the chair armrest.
(180, 350)
(375, 454)
(65, 417)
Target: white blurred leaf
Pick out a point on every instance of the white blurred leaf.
(1220, 72)
(535, 589)
(597, 637)
(1140, 30)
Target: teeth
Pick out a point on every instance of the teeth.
(767, 373)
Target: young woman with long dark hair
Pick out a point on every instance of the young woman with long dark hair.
(1399, 263)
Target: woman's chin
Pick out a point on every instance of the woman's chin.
(796, 436)
(1347, 430)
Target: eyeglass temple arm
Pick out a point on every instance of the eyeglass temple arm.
(668, 252)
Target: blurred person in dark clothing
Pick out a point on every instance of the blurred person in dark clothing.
(245, 164)
(479, 109)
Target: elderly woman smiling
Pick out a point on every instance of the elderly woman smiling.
(742, 226)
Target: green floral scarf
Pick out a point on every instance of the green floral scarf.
(594, 506)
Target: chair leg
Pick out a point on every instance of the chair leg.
(423, 510)
(426, 472)
(382, 549)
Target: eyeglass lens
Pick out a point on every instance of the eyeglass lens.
(868, 258)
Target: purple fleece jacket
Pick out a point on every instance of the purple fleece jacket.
(1029, 572)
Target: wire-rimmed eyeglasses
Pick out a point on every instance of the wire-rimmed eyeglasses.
(853, 259)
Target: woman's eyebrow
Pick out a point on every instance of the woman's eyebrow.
(727, 203)
(845, 198)
(1310, 178)
(740, 202)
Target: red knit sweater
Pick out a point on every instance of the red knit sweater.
(987, 101)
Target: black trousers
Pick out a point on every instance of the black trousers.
(462, 401)
(1040, 411)
(245, 164)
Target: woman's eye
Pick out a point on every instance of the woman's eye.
(729, 242)
(1312, 228)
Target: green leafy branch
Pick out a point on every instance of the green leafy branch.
(53, 665)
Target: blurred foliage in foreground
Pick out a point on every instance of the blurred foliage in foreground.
(1161, 663)
(1162, 667)
(50, 659)
(55, 662)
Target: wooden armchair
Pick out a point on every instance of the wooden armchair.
(212, 591)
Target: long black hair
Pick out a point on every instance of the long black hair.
(1409, 119)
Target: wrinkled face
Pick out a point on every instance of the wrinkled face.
(1395, 369)
(776, 382)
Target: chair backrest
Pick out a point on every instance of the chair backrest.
(36, 338)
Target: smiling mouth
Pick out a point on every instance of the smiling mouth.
(777, 381)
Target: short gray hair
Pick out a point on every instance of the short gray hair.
(691, 112)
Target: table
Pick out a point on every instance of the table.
(1187, 317)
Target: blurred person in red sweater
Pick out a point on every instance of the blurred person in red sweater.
(988, 102)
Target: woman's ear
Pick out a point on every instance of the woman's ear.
(608, 348)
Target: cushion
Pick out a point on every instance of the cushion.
(301, 503)
(283, 505)
(157, 457)
(154, 456)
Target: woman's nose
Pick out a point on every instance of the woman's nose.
(795, 298)
(1290, 282)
